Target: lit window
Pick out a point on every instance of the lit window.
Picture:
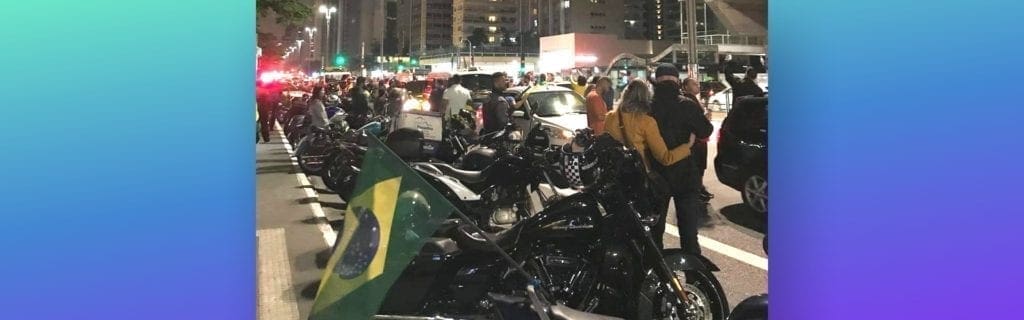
(566, 4)
(492, 18)
(659, 32)
(659, 27)
(490, 39)
(492, 29)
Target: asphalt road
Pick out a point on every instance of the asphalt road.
(298, 217)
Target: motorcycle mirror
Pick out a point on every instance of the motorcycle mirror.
(519, 114)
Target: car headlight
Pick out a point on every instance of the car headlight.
(410, 105)
(557, 133)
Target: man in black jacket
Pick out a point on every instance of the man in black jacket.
(496, 109)
(360, 98)
(677, 118)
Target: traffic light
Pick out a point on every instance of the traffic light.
(522, 65)
(414, 62)
(339, 60)
(401, 68)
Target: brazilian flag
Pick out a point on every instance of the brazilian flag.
(388, 220)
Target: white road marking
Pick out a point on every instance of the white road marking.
(318, 211)
(724, 249)
(276, 295)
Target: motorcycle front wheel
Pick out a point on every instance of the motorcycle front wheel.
(309, 156)
(705, 298)
(340, 177)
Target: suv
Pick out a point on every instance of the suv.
(742, 161)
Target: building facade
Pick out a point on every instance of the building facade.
(663, 17)
(494, 20)
(582, 16)
(423, 25)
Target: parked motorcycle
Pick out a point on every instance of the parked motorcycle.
(533, 305)
(591, 251)
(312, 149)
(344, 158)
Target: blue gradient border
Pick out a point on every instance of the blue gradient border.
(896, 154)
(127, 184)
(127, 181)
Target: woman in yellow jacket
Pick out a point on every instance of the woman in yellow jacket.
(632, 118)
(631, 124)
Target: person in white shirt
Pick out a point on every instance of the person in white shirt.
(455, 97)
(317, 112)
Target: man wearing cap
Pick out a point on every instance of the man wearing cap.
(678, 117)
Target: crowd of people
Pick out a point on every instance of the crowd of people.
(661, 117)
(665, 121)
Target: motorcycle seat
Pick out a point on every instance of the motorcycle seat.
(470, 177)
(471, 240)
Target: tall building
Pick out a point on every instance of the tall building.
(492, 19)
(663, 18)
(377, 26)
(582, 16)
(635, 22)
(423, 25)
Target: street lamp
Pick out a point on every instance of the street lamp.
(327, 13)
(470, 50)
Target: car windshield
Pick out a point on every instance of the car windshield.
(476, 82)
(550, 104)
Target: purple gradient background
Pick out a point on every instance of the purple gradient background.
(895, 159)
(126, 188)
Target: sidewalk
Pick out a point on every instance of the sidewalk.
(291, 244)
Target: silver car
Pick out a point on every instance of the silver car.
(559, 109)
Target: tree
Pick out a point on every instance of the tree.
(479, 37)
(271, 51)
(506, 38)
(288, 11)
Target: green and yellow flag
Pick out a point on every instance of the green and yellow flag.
(391, 215)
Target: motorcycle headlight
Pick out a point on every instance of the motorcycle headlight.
(425, 106)
(565, 134)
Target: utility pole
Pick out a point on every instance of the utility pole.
(341, 24)
(691, 31)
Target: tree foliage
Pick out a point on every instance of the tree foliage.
(288, 11)
(479, 37)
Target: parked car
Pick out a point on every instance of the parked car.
(742, 161)
(560, 110)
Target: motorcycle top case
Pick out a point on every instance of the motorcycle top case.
(431, 123)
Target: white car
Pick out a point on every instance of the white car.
(561, 110)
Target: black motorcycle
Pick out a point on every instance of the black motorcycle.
(345, 156)
(590, 251)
